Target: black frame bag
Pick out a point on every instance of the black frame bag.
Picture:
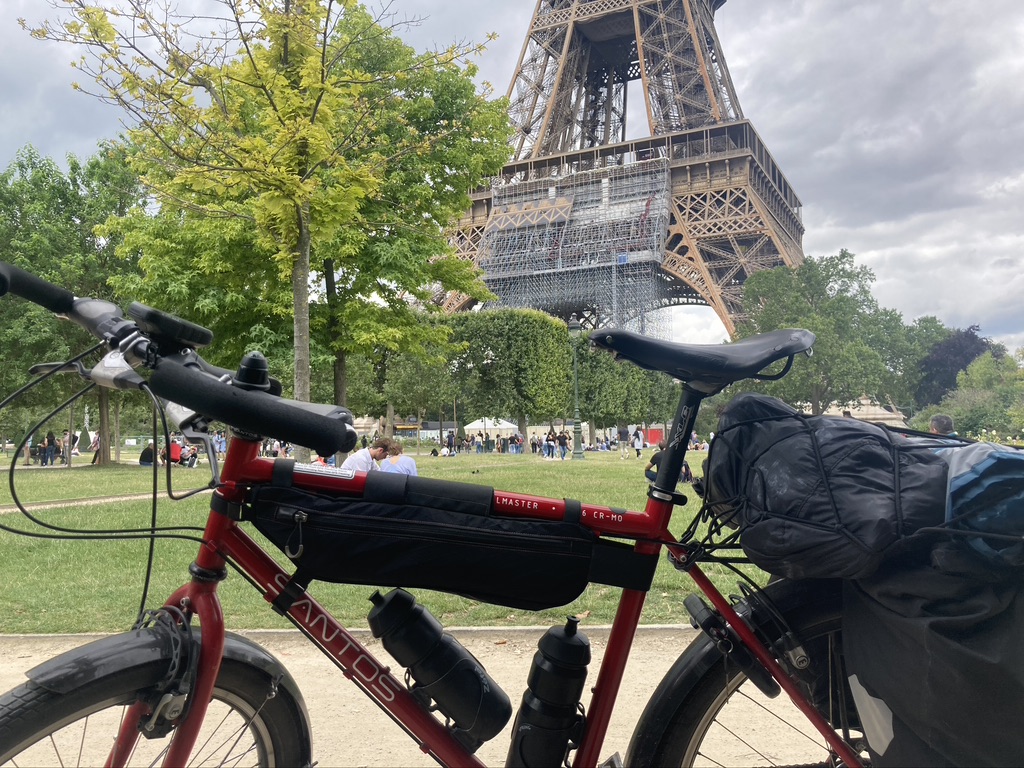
(431, 534)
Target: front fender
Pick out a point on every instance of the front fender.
(155, 646)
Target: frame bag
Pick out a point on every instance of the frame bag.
(431, 534)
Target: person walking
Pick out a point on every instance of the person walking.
(563, 444)
(623, 436)
(638, 441)
(94, 446)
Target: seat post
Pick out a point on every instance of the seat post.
(678, 440)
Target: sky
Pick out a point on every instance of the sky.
(899, 123)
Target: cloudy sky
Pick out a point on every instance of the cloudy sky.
(899, 123)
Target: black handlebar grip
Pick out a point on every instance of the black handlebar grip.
(326, 429)
(35, 289)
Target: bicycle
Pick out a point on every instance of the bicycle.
(167, 686)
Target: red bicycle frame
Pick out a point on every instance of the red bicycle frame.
(225, 540)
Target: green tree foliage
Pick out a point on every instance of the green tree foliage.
(48, 218)
(420, 386)
(262, 116)
(516, 363)
(612, 392)
(189, 267)
(830, 296)
(989, 396)
(435, 139)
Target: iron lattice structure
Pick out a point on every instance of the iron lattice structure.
(585, 220)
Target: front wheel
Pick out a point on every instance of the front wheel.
(706, 712)
(247, 722)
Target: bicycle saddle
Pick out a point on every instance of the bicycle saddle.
(713, 364)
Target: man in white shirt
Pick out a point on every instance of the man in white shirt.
(365, 459)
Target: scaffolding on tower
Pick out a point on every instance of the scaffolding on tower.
(590, 242)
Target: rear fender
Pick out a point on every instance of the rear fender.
(701, 655)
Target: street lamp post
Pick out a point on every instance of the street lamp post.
(577, 431)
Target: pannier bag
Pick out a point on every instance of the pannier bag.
(932, 647)
(431, 534)
(986, 495)
(819, 496)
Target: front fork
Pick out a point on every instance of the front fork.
(197, 598)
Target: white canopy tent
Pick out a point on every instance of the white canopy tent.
(493, 426)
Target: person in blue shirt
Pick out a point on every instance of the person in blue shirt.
(397, 461)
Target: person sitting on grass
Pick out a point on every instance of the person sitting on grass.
(146, 458)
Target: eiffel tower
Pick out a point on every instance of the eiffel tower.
(584, 220)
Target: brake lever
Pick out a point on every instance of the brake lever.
(195, 428)
(62, 367)
(115, 372)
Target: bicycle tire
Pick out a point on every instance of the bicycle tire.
(705, 710)
(36, 723)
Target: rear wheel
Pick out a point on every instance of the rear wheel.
(247, 723)
(707, 713)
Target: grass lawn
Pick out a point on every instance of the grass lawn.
(79, 586)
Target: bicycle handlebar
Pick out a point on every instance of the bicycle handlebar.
(35, 289)
(189, 380)
(324, 428)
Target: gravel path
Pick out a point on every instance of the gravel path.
(349, 729)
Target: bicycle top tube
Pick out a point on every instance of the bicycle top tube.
(238, 476)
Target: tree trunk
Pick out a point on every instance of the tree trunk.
(340, 378)
(389, 425)
(300, 289)
(333, 326)
(117, 430)
(104, 448)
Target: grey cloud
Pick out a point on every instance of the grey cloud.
(898, 122)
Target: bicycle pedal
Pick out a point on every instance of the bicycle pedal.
(612, 762)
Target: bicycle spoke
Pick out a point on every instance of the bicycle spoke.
(786, 722)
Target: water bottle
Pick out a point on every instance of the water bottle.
(443, 670)
(549, 722)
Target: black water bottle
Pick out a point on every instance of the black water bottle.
(443, 670)
(549, 717)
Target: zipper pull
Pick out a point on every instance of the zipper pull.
(298, 517)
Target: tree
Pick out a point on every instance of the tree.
(436, 138)
(946, 359)
(417, 385)
(989, 396)
(47, 226)
(612, 392)
(259, 117)
(517, 363)
(831, 297)
(187, 263)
